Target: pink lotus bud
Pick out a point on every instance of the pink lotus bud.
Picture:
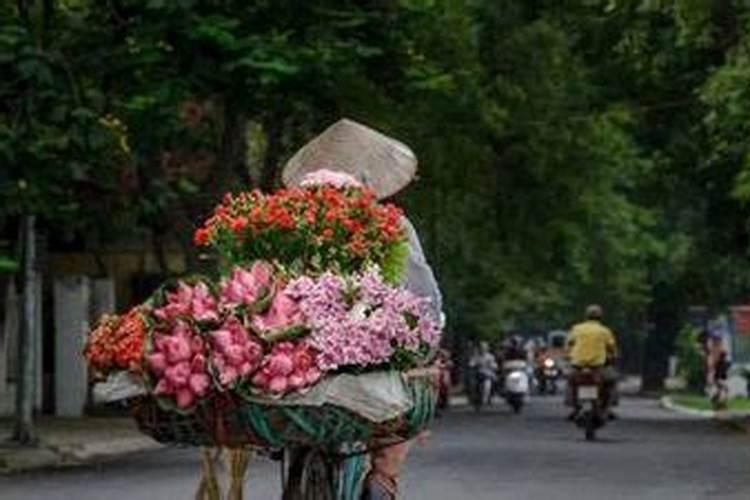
(178, 374)
(198, 345)
(163, 387)
(185, 398)
(303, 359)
(281, 365)
(296, 381)
(177, 349)
(204, 312)
(261, 379)
(312, 376)
(227, 375)
(218, 360)
(284, 312)
(198, 365)
(157, 362)
(261, 273)
(222, 338)
(235, 354)
(160, 342)
(252, 351)
(199, 383)
(231, 293)
(283, 347)
(245, 369)
(278, 384)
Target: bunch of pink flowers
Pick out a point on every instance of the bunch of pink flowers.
(189, 301)
(361, 320)
(246, 287)
(178, 361)
(289, 366)
(235, 354)
(278, 337)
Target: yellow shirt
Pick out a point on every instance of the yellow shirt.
(590, 341)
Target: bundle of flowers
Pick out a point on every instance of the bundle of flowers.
(308, 229)
(262, 334)
(116, 343)
(308, 288)
(362, 322)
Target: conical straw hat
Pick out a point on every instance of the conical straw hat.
(382, 163)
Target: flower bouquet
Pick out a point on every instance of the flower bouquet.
(304, 338)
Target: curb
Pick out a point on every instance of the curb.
(668, 404)
(48, 455)
(725, 415)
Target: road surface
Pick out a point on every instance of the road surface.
(647, 454)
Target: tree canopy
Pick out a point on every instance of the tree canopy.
(570, 152)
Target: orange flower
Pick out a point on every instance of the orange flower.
(202, 237)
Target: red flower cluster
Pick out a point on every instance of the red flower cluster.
(117, 343)
(324, 222)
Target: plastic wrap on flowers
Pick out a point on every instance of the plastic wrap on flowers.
(234, 422)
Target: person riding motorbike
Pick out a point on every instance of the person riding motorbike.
(591, 345)
(546, 370)
(513, 349)
(485, 364)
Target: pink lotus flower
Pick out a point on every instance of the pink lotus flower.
(278, 385)
(178, 375)
(157, 362)
(235, 353)
(287, 367)
(281, 364)
(177, 349)
(185, 398)
(247, 287)
(189, 301)
(284, 313)
(178, 361)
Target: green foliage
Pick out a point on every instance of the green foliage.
(689, 359)
(570, 152)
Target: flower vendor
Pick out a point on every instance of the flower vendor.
(350, 154)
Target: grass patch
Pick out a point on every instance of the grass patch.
(698, 402)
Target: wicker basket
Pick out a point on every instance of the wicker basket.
(232, 422)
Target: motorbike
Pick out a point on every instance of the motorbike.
(589, 399)
(515, 384)
(547, 374)
(482, 387)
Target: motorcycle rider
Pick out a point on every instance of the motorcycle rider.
(513, 349)
(485, 364)
(590, 345)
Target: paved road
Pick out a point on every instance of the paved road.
(648, 454)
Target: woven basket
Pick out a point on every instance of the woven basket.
(232, 422)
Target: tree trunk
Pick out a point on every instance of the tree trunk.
(24, 429)
(274, 128)
(666, 317)
(230, 168)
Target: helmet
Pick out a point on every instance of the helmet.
(594, 311)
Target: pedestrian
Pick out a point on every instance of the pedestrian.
(445, 364)
(721, 383)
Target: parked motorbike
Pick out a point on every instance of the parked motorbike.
(589, 399)
(547, 373)
(515, 384)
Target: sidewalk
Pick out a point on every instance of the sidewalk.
(64, 442)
